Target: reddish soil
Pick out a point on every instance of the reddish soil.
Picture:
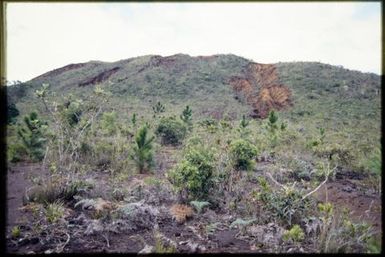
(103, 76)
(18, 181)
(349, 194)
(261, 89)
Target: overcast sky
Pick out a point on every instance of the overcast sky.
(45, 36)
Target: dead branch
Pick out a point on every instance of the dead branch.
(275, 181)
(59, 249)
(320, 185)
(108, 241)
(316, 189)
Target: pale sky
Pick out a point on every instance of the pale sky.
(45, 36)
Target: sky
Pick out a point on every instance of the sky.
(46, 36)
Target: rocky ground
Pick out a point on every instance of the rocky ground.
(144, 218)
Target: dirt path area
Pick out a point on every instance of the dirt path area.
(347, 193)
(18, 181)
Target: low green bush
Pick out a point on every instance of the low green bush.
(16, 151)
(195, 173)
(171, 131)
(242, 153)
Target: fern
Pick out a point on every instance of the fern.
(241, 223)
(198, 205)
(86, 203)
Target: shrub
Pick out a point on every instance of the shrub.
(108, 123)
(171, 131)
(71, 111)
(285, 204)
(337, 153)
(142, 150)
(295, 234)
(32, 136)
(194, 174)
(12, 113)
(16, 151)
(242, 153)
(53, 191)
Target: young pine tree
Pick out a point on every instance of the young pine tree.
(273, 118)
(244, 122)
(142, 150)
(273, 127)
(186, 115)
(158, 108)
(32, 136)
(133, 119)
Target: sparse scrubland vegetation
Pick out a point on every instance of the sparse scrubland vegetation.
(164, 154)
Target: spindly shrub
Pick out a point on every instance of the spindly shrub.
(285, 205)
(242, 153)
(171, 131)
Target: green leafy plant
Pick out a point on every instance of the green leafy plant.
(285, 205)
(15, 232)
(294, 234)
(142, 152)
(171, 131)
(193, 175)
(16, 151)
(54, 211)
(242, 153)
(338, 234)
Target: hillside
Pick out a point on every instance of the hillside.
(195, 154)
(213, 82)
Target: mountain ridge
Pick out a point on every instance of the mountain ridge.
(240, 84)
